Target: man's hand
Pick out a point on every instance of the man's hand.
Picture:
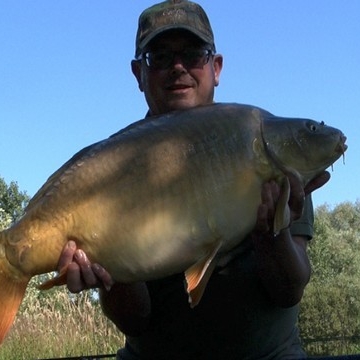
(127, 305)
(316, 183)
(298, 192)
(81, 273)
(271, 192)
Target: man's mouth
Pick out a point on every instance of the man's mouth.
(178, 87)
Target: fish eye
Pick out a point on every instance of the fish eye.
(313, 126)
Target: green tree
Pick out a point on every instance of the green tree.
(5, 219)
(12, 202)
(331, 305)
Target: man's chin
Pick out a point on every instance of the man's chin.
(182, 104)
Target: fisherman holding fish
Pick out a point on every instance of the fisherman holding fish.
(250, 307)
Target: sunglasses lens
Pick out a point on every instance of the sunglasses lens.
(191, 58)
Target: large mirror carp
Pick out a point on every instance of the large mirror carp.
(166, 195)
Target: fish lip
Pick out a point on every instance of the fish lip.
(341, 148)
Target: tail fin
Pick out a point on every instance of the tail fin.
(12, 290)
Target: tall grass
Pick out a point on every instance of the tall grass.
(57, 324)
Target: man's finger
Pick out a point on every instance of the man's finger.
(297, 195)
(74, 280)
(87, 273)
(67, 255)
(262, 225)
(316, 183)
(104, 277)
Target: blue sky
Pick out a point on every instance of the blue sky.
(65, 78)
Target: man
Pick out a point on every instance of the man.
(249, 309)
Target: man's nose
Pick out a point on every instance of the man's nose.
(178, 64)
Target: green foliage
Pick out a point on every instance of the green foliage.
(12, 202)
(5, 219)
(330, 308)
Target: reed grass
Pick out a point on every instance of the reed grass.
(57, 324)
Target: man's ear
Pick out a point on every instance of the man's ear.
(136, 70)
(217, 64)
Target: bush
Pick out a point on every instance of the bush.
(330, 310)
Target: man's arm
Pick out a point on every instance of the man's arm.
(128, 306)
(283, 266)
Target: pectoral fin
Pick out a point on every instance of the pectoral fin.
(282, 211)
(198, 275)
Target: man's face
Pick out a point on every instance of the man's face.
(179, 85)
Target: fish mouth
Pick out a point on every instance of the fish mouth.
(341, 146)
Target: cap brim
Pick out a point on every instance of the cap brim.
(163, 29)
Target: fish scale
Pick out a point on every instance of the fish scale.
(168, 194)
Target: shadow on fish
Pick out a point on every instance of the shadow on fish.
(166, 195)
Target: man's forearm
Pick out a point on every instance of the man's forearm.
(284, 267)
(127, 306)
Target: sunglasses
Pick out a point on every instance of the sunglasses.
(163, 59)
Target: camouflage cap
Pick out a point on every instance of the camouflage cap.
(170, 15)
